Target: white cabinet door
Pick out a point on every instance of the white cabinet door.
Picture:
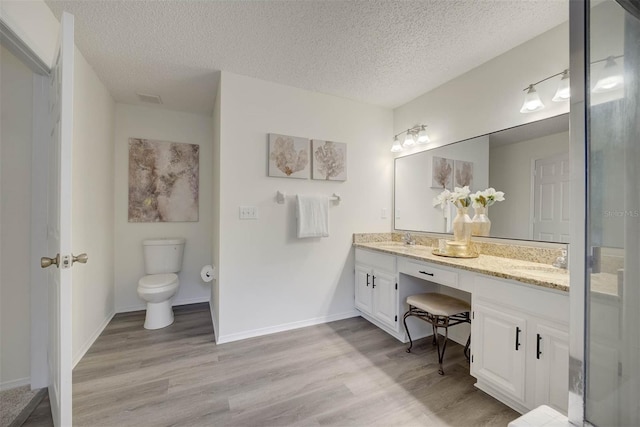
(364, 290)
(385, 306)
(498, 343)
(552, 368)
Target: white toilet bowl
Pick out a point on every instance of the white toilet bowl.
(157, 290)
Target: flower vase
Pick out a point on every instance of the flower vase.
(481, 222)
(462, 226)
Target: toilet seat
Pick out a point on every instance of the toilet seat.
(154, 281)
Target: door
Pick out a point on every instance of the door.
(499, 349)
(363, 289)
(552, 368)
(59, 358)
(551, 202)
(385, 303)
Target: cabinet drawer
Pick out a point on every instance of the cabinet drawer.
(376, 260)
(430, 273)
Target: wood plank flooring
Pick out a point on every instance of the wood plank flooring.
(345, 373)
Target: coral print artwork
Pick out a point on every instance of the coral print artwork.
(329, 160)
(442, 173)
(463, 174)
(288, 156)
(163, 181)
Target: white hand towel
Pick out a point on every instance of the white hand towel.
(313, 216)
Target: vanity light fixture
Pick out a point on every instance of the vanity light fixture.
(563, 92)
(396, 147)
(532, 101)
(611, 76)
(417, 134)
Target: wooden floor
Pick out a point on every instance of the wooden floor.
(345, 373)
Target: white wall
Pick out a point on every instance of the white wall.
(414, 195)
(165, 125)
(269, 280)
(34, 23)
(511, 173)
(16, 84)
(92, 210)
(489, 97)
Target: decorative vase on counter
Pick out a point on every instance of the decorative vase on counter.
(462, 226)
(481, 222)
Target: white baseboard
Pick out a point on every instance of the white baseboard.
(87, 345)
(8, 385)
(143, 306)
(285, 327)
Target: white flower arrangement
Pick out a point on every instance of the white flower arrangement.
(486, 198)
(459, 197)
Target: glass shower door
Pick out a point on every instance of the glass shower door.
(612, 352)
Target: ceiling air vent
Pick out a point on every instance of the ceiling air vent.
(151, 99)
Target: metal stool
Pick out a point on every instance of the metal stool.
(441, 311)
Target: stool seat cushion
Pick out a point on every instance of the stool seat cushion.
(438, 304)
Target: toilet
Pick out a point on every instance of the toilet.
(162, 260)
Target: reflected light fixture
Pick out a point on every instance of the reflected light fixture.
(611, 76)
(532, 100)
(415, 134)
(563, 92)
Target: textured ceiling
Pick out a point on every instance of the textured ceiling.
(379, 52)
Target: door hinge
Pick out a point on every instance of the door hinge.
(396, 286)
(473, 314)
(472, 358)
(396, 318)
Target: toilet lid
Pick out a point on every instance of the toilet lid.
(158, 280)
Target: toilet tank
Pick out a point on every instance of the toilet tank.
(163, 255)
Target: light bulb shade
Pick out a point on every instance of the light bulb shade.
(611, 77)
(423, 137)
(408, 140)
(532, 101)
(563, 92)
(396, 147)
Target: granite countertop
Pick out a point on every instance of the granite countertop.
(523, 271)
(533, 273)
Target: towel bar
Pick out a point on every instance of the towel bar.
(280, 197)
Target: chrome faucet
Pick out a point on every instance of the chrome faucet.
(408, 239)
(562, 261)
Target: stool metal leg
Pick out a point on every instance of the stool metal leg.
(404, 320)
(444, 346)
(467, 353)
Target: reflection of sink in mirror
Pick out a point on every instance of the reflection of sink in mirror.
(540, 270)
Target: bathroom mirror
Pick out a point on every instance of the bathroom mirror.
(529, 163)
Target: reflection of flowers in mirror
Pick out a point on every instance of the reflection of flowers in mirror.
(486, 198)
(459, 197)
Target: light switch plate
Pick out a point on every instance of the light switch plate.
(383, 213)
(248, 212)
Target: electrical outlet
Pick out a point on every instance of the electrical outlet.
(248, 212)
(383, 213)
(397, 214)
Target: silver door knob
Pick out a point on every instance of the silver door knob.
(48, 262)
(82, 258)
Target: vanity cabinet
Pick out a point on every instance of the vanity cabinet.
(376, 290)
(520, 344)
